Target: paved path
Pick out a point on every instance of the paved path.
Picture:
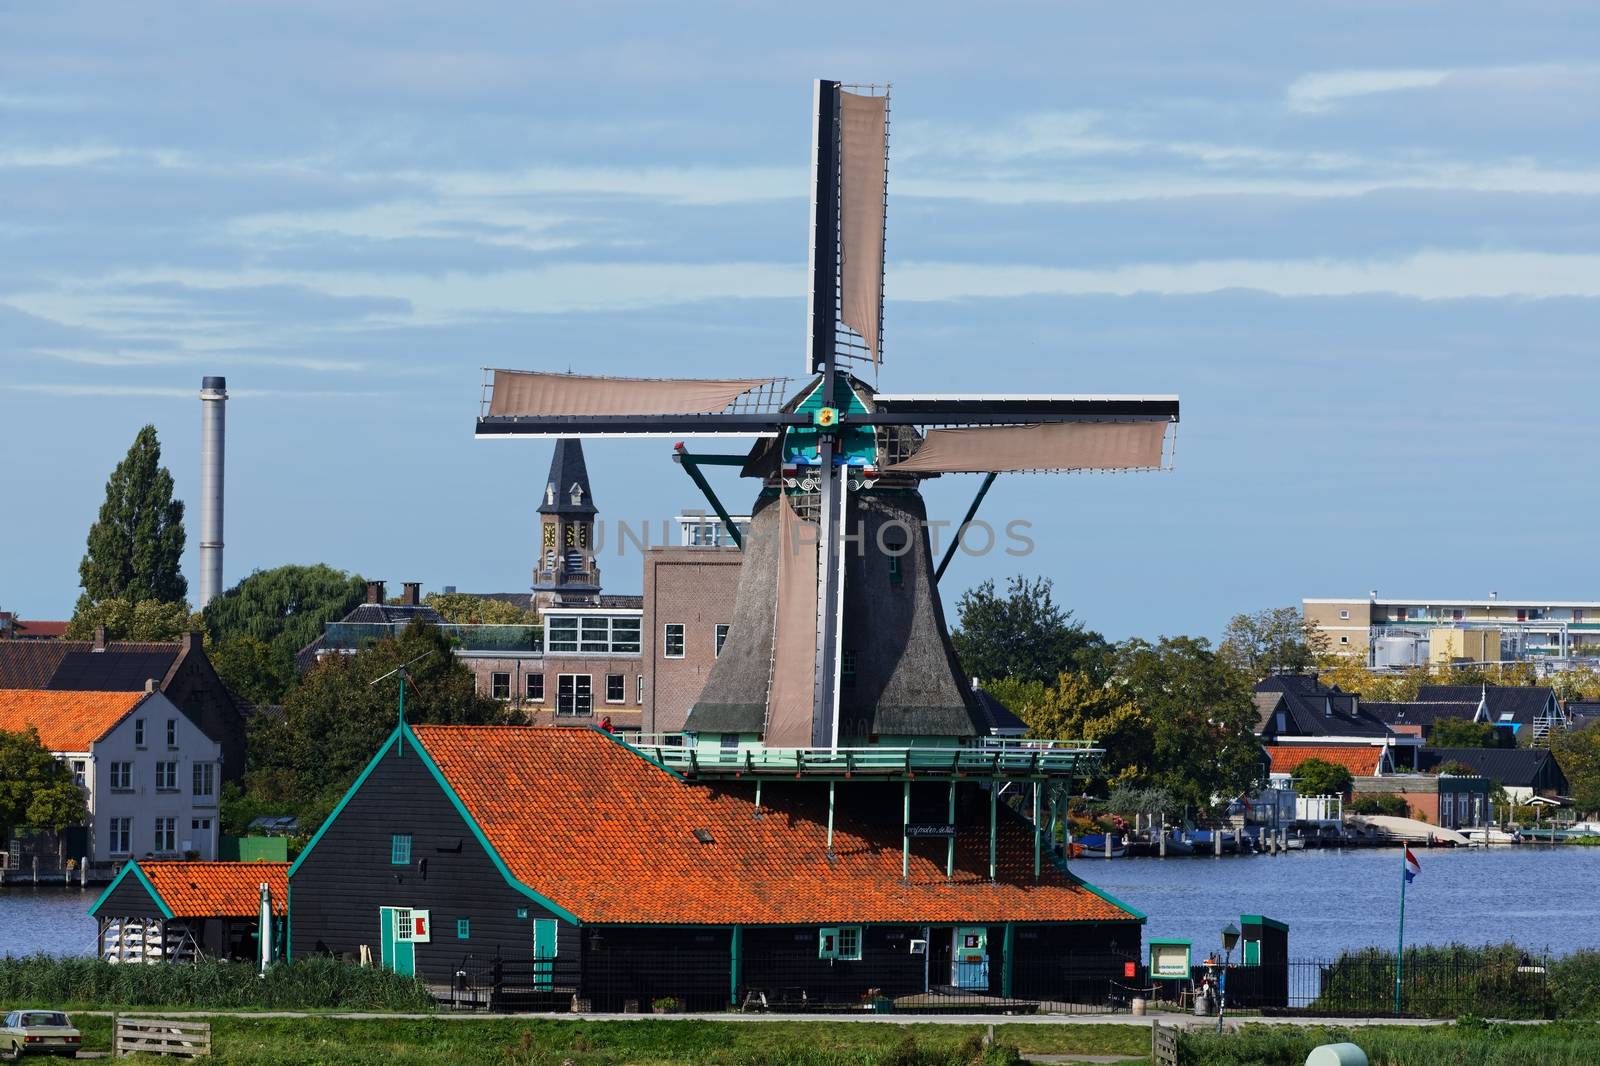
(862, 1018)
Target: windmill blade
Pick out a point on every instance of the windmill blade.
(535, 404)
(1042, 446)
(971, 410)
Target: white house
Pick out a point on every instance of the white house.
(151, 779)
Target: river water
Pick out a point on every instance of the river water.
(1541, 898)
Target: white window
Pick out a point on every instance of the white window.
(200, 825)
(722, 636)
(1344, 640)
(166, 834)
(594, 634)
(500, 686)
(839, 942)
(121, 835)
(1344, 613)
(77, 772)
(625, 636)
(172, 732)
(638, 689)
(672, 640)
(205, 780)
(616, 688)
(574, 695)
(166, 777)
(535, 688)
(122, 776)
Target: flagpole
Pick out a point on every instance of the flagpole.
(1400, 948)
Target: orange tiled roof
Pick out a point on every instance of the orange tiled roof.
(219, 889)
(609, 837)
(1360, 759)
(66, 721)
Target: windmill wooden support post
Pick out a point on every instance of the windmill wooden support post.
(994, 815)
(905, 835)
(691, 466)
(1038, 834)
(950, 845)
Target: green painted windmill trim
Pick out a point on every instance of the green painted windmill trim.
(133, 867)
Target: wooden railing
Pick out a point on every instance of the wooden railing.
(160, 1036)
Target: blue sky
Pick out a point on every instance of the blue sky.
(1360, 240)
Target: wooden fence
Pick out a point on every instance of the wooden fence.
(1163, 1045)
(160, 1036)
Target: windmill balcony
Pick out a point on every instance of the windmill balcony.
(987, 758)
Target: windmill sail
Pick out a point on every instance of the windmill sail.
(1045, 446)
(528, 393)
(863, 163)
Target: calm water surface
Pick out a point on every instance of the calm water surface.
(1540, 898)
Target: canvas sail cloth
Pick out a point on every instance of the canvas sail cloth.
(1043, 446)
(794, 644)
(863, 159)
(518, 392)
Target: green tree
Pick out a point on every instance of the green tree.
(129, 620)
(334, 720)
(136, 545)
(1024, 635)
(462, 609)
(1318, 777)
(280, 610)
(36, 788)
(1204, 745)
(1578, 754)
(1080, 708)
(1463, 733)
(1277, 640)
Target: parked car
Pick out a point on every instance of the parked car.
(38, 1032)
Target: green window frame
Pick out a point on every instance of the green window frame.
(841, 942)
(894, 569)
(463, 928)
(400, 849)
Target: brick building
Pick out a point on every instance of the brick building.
(688, 606)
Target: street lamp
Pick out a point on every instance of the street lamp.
(1230, 939)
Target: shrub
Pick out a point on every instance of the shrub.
(304, 985)
(1391, 805)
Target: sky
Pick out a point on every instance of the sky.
(1360, 240)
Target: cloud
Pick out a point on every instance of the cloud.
(1322, 91)
(1441, 275)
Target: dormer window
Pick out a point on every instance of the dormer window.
(550, 493)
(575, 494)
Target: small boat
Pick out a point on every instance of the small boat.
(1295, 843)
(1490, 835)
(1178, 844)
(1094, 846)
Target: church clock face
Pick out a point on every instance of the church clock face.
(549, 535)
(572, 536)
(583, 536)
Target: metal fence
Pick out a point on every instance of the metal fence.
(799, 982)
(1433, 984)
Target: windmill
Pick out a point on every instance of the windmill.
(827, 642)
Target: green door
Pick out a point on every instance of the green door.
(1252, 953)
(394, 928)
(544, 952)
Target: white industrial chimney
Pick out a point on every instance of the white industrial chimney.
(213, 419)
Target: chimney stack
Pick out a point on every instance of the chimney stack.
(213, 415)
(411, 594)
(99, 638)
(375, 592)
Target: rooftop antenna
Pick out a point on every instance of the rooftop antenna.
(405, 678)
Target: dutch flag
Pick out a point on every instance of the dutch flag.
(1413, 868)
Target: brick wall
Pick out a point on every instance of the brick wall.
(695, 587)
(624, 715)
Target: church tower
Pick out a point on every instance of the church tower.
(565, 573)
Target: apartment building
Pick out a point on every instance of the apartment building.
(1396, 632)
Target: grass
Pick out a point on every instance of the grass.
(550, 1042)
(1470, 1043)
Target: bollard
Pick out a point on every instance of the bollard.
(83, 872)
(1161, 847)
(1108, 845)
(36, 869)
(1216, 842)
(1336, 1055)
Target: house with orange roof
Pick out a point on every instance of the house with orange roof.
(166, 911)
(553, 865)
(151, 778)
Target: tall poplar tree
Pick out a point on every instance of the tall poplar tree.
(136, 544)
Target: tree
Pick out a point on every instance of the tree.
(36, 789)
(334, 720)
(280, 610)
(129, 620)
(462, 609)
(1578, 754)
(1277, 640)
(136, 545)
(1024, 635)
(1079, 708)
(1318, 777)
(1204, 746)
(1463, 733)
